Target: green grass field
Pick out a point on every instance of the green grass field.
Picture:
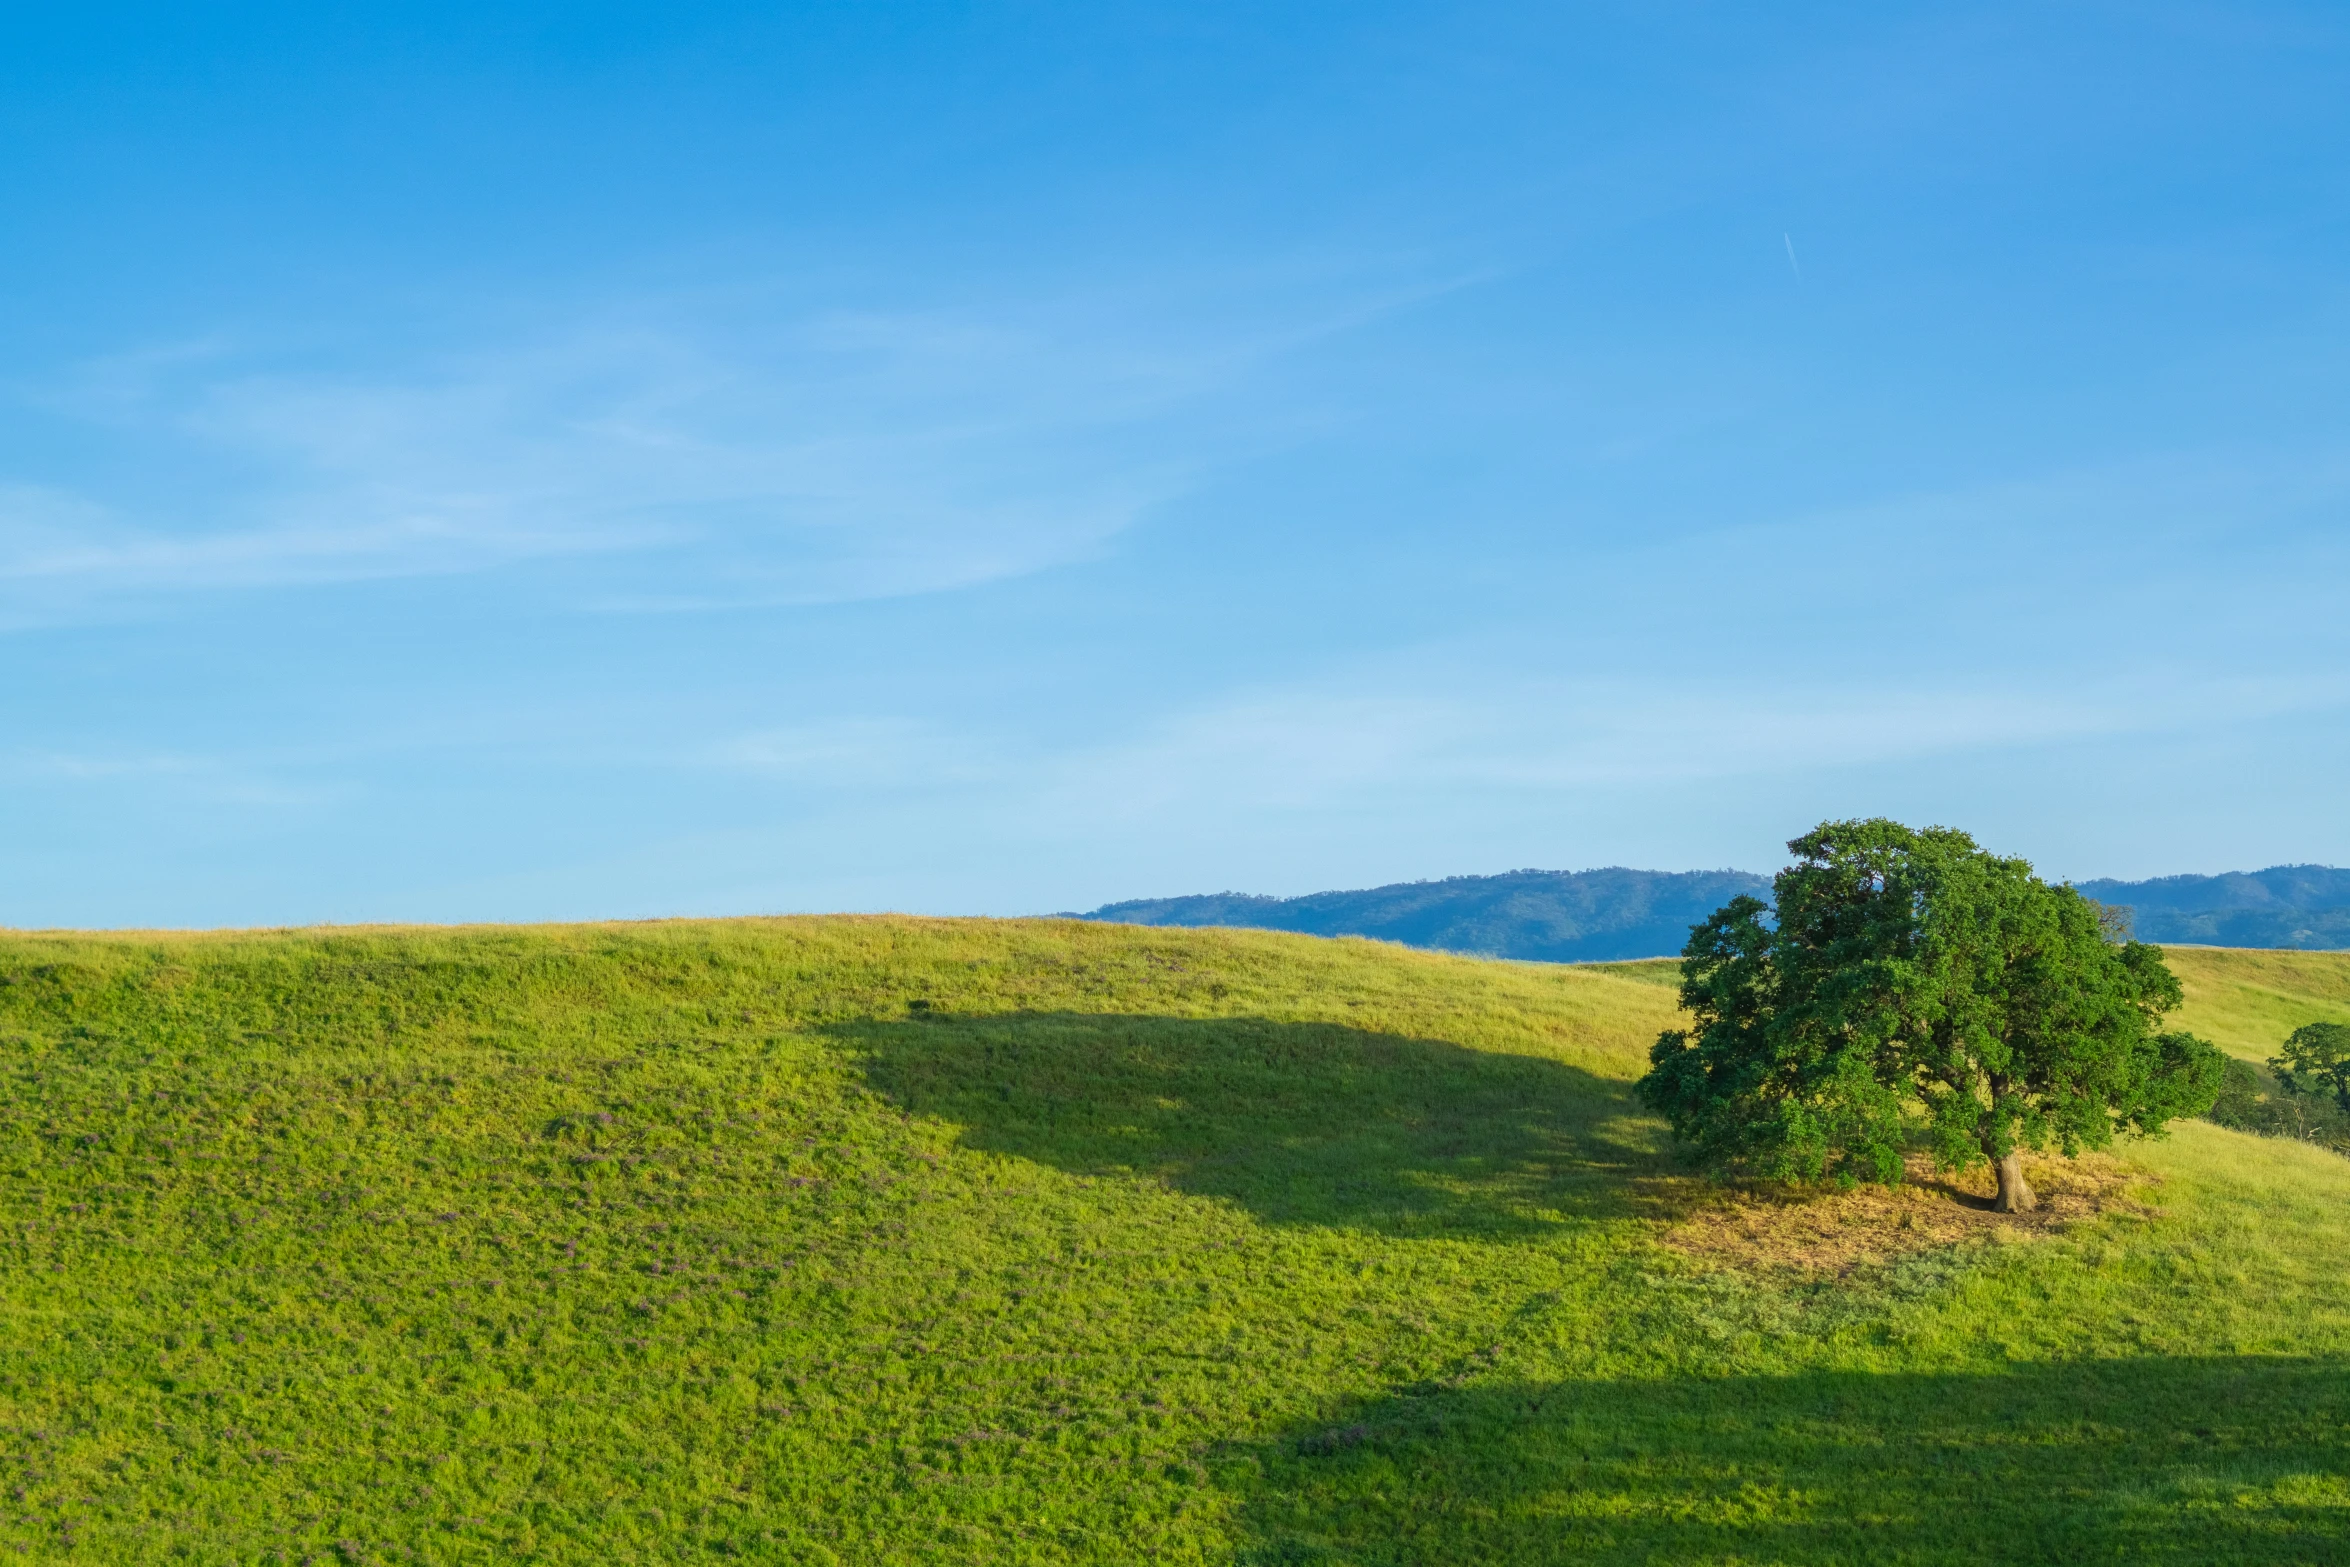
(895, 1240)
(2247, 1002)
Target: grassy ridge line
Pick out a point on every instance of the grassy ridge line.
(861, 962)
(699, 1241)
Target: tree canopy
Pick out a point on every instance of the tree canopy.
(1907, 986)
(2316, 1060)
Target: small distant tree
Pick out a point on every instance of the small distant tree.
(2316, 1059)
(1906, 984)
(2119, 921)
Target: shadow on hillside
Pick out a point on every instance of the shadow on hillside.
(2148, 1460)
(1300, 1123)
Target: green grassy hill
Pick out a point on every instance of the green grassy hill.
(2246, 1002)
(893, 1240)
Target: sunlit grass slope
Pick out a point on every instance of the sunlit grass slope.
(886, 1240)
(2247, 1001)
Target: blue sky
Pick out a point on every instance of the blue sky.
(517, 462)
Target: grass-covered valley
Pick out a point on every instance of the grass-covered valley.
(891, 1240)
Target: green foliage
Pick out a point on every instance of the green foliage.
(2249, 1102)
(2304, 1095)
(1908, 980)
(706, 1242)
(2316, 1060)
(2118, 921)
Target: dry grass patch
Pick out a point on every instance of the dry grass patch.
(1827, 1232)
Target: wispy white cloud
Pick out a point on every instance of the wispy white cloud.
(1378, 742)
(62, 543)
(2138, 550)
(189, 776)
(1382, 742)
(858, 753)
(734, 451)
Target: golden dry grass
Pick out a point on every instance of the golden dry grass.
(1827, 1232)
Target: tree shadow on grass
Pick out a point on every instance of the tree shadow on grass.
(1299, 1123)
(2143, 1460)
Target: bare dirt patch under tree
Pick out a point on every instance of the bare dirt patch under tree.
(1772, 1226)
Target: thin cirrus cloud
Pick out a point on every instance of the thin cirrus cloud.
(61, 552)
(210, 780)
(1363, 741)
(731, 457)
(2082, 569)
(1319, 745)
(859, 753)
(738, 479)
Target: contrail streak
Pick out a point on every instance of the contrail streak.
(1792, 264)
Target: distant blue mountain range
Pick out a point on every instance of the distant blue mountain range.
(1549, 916)
(2304, 906)
(1589, 916)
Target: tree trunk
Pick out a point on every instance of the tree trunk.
(2015, 1193)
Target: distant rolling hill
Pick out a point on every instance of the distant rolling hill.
(2304, 906)
(1548, 916)
(1602, 915)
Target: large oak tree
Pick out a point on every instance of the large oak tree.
(1904, 987)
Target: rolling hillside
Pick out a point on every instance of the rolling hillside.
(893, 1241)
